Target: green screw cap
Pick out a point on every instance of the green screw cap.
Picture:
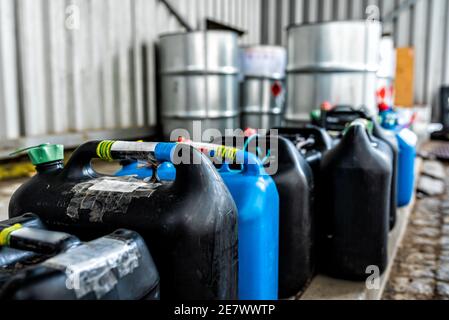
(315, 114)
(43, 153)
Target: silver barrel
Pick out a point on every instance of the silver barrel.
(199, 80)
(386, 72)
(332, 61)
(263, 87)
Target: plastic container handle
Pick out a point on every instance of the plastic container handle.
(124, 150)
(367, 125)
(79, 164)
(251, 164)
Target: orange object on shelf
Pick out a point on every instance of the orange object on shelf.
(404, 83)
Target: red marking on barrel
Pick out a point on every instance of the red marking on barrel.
(276, 89)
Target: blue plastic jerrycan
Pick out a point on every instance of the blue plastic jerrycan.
(407, 141)
(165, 171)
(257, 201)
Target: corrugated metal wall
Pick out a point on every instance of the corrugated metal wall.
(72, 66)
(9, 106)
(423, 24)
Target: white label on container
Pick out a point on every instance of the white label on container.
(134, 146)
(264, 61)
(117, 186)
(89, 267)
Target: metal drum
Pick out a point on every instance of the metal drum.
(199, 74)
(386, 72)
(309, 90)
(331, 61)
(263, 87)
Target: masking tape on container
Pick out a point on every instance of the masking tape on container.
(215, 151)
(104, 150)
(5, 234)
(226, 152)
(98, 265)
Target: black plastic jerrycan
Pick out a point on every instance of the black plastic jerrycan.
(383, 142)
(117, 266)
(389, 145)
(340, 117)
(189, 224)
(20, 233)
(294, 181)
(9, 255)
(311, 141)
(354, 206)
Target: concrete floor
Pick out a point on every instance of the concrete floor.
(421, 268)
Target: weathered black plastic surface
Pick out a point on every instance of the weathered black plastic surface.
(295, 184)
(41, 282)
(354, 207)
(190, 225)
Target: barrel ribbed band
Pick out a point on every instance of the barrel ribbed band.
(5, 234)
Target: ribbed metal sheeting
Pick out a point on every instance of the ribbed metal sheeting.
(72, 70)
(422, 24)
(335, 62)
(9, 106)
(263, 89)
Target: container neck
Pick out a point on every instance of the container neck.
(50, 166)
